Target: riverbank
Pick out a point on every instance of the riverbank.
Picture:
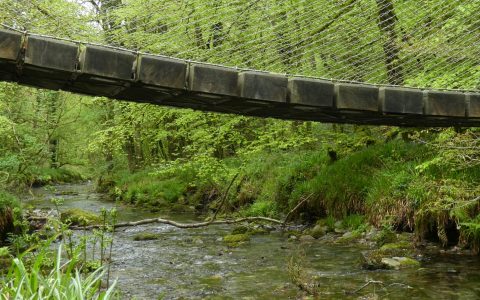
(397, 184)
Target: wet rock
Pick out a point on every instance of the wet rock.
(146, 236)
(318, 231)
(212, 280)
(385, 237)
(390, 263)
(198, 241)
(397, 263)
(306, 238)
(240, 230)
(292, 238)
(234, 240)
(338, 225)
(349, 236)
(390, 256)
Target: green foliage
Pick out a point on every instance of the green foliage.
(342, 187)
(149, 189)
(64, 281)
(261, 208)
(353, 222)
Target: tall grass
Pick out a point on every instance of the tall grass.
(63, 282)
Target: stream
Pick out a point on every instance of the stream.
(196, 264)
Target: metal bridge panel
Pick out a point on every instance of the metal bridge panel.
(356, 97)
(263, 86)
(312, 92)
(214, 80)
(401, 100)
(107, 63)
(162, 72)
(474, 109)
(51, 54)
(445, 103)
(10, 46)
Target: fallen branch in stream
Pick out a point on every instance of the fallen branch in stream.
(183, 225)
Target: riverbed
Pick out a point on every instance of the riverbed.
(196, 263)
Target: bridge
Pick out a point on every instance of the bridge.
(96, 70)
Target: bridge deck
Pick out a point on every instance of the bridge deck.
(119, 74)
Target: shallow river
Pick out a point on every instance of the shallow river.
(195, 264)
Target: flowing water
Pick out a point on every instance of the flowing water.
(196, 264)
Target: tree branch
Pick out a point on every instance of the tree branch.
(182, 225)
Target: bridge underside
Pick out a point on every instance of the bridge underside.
(119, 74)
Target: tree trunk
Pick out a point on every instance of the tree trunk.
(387, 21)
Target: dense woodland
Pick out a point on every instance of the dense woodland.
(414, 179)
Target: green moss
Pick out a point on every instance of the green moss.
(318, 231)
(349, 237)
(146, 236)
(385, 236)
(80, 217)
(240, 230)
(214, 280)
(403, 245)
(407, 262)
(234, 240)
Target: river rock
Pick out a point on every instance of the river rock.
(318, 231)
(306, 238)
(146, 236)
(397, 263)
(198, 241)
(338, 225)
(349, 236)
(390, 263)
(234, 240)
(242, 229)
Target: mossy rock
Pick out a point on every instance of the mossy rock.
(214, 280)
(396, 263)
(385, 237)
(240, 230)
(295, 233)
(234, 240)
(398, 245)
(349, 236)
(146, 236)
(258, 231)
(318, 231)
(382, 258)
(250, 230)
(79, 217)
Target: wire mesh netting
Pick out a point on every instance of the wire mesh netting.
(396, 42)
